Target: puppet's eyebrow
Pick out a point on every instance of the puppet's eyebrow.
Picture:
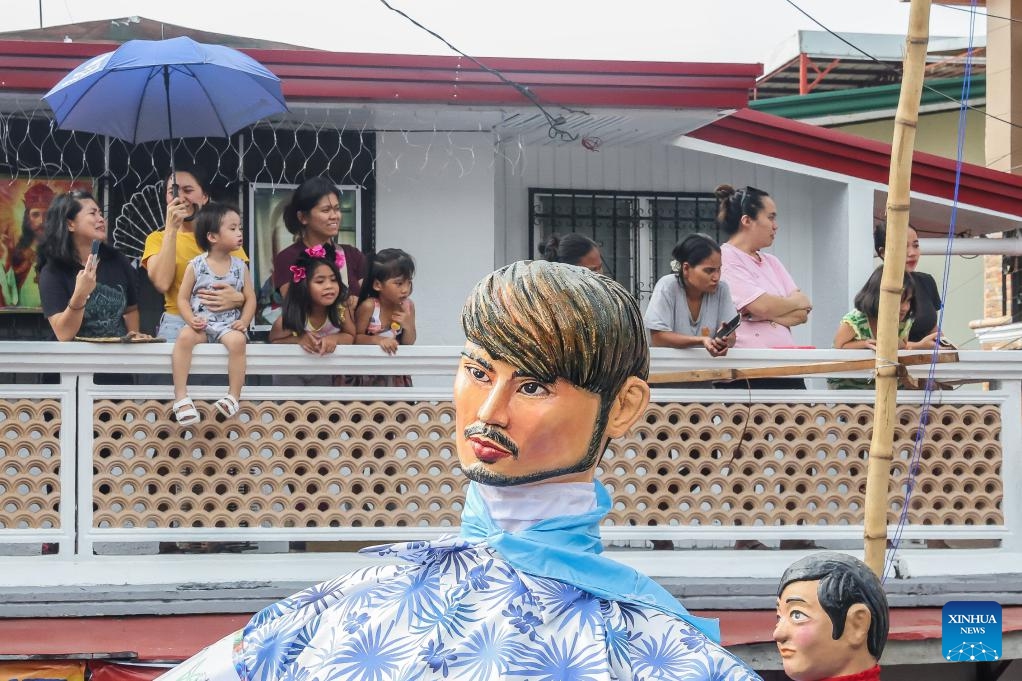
(520, 373)
(477, 359)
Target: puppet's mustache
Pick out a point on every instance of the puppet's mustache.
(494, 436)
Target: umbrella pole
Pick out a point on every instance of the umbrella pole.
(170, 130)
(881, 447)
(170, 137)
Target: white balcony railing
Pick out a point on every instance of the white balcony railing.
(89, 466)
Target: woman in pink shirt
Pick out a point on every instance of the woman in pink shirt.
(763, 291)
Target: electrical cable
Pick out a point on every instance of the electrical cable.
(964, 106)
(737, 449)
(924, 416)
(555, 123)
(972, 11)
(898, 72)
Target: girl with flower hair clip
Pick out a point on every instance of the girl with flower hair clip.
(314, 315)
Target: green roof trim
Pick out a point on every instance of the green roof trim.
(860, 100)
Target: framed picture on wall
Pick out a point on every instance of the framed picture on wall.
(23, 205)
(268, 236)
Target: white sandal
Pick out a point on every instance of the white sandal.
(185, 412)
(227, 405)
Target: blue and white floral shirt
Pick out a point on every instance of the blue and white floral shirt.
(457, 609)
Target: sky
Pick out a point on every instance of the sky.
(657, 30)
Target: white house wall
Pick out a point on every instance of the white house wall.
(843, 241)
(435, 199)
(813, 240)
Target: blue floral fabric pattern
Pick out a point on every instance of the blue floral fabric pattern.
(567, 548)
(456, 610)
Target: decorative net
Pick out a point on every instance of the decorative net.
(128, 180)
(278, 152)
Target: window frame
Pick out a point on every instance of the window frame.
(644, 264)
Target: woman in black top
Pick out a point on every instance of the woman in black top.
(95, 299)
(923, 333)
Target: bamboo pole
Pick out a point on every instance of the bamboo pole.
(878, 472)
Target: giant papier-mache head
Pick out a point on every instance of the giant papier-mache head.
(550, 322)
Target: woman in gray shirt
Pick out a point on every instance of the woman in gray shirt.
(688, 307)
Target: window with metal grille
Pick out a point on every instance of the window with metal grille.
(636, 231)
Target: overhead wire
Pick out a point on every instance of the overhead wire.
(928, 392)
(555, 123)
(913, 466)
(973, 11)
(898, 72)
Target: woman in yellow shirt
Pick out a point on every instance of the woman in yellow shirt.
(168, 251)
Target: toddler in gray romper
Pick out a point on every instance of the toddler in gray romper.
(217, 323)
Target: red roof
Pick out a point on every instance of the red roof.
(35, 66)
(855, 156)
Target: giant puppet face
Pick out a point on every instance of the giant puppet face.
(832, 618)
(554, 366)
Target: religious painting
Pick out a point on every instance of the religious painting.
(23, 204)
(268, 236)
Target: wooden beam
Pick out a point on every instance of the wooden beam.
(702, 375)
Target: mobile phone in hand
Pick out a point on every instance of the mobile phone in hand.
(95, 247)
(175, 189)
(729, 327)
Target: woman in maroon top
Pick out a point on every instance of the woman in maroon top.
(314, 217)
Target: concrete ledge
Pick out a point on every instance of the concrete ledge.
(248, 596)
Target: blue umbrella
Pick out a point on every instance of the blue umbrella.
(149, 90)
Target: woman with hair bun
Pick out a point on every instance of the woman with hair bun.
(763, 291)
(689, 306)
(573, 249)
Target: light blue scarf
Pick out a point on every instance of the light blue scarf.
(567, 548)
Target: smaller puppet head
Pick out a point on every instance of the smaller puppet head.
(555, 365)
(832, 617)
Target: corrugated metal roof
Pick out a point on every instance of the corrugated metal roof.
(315, 76)
(859, 100)
(122, 29)
(846, 154)
(832, 64)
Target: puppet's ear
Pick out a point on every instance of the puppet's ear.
(629, 405)
(857, 623)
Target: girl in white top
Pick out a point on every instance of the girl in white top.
(688, 307)
(385, 315)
